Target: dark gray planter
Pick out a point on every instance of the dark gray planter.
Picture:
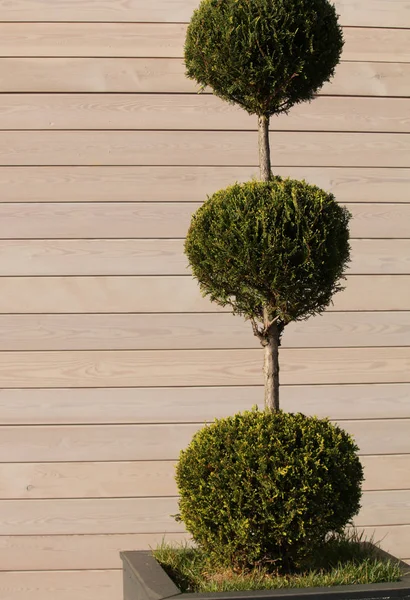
(145, 579)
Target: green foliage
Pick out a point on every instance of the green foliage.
(343, 560)
(265, 55)
(282, 245)
(258, 486)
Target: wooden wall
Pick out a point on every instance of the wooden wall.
(109, 357)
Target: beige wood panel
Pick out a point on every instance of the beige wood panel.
(195, 331)
(161, 220)
(171, 294)
(55, 585)
(159, 442)
(380, 220)
(109, 219)
(142, 40)
(88, 480)
(379, 257)
(161, 257)
(114, 257)
(393, 539)
(386, 472)
(207, 148)
(384, 508)
(94, 443)
(170, 405)
(152, 515)
(148, 478)
(189, 111)
(187, 184)
(168, 76)
(103, 515)
(68, 552)
(200, 367)
(368, 13)
(102, 551)
(159, 40)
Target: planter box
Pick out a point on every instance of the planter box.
(145, 579)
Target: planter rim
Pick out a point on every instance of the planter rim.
(155, 584)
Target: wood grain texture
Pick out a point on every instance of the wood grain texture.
(189, 111)
(148, 478)
(101, 516)
(207, 148)
(162, 257)
(88, 480)
(384, 508)
(187, 184)
(386, 472)
(200, 331)
(36, 295)
(147, 368)
(367, 13)
(159, 40)
(167, 75)
(55, 585)
(151, 515)
(393, 539)
(161, 220)
(170, 405)
(70, 552)
(85, 443)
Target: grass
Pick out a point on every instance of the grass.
(343, 561)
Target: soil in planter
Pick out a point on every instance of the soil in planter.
(342, 561)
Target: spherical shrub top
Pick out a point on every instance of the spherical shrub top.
(259, 486)
(281, 245)
(265, 55)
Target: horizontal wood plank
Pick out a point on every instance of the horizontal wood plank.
(88, 480)
(151, 515)
(187, 184)
(189, 111)
(392, 539)
(205, 148)
(164, 40)
(161, 220)
(200, 331)
(386, 472)
(384, 508)
(170, 405)
(162, 257)
(148, 478)
(167, 75)
(64, 585)
(70, 552)
(160, 442)
(201, 367)
(367, 13)
(101, 516)
(119, 294)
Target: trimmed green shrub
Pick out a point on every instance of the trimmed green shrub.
(265, 55)
(258, 487)
(280, 245)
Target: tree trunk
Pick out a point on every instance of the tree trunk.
(264, 149)
(271, 369)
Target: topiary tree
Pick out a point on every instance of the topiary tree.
(274, 252)
(264, 55)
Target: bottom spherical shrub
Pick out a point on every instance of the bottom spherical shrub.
(259, 487)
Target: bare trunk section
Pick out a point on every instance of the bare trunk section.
(264, 149)
(271, 370)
